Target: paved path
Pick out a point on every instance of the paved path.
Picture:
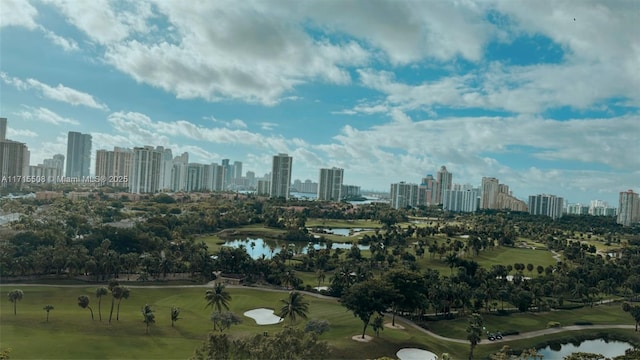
(527, 335)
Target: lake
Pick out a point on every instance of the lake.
(599, 346)
(268, 248)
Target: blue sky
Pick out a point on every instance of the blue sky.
(543, 95)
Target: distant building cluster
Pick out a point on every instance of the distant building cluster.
(148, 169)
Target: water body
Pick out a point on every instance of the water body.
(268, 248)
(599, 346)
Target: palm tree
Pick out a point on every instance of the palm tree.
(294, 306)
(15, 296)
(218, 298)
(123, 294)
(175, 314)
(48, 308)
(116, 292)
(149, 316)
(83, 302)
(474, 332)
(100, 292)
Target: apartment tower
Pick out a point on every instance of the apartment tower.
(281, 176)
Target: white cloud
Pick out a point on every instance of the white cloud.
(105, 22)
(45, 115)
(142, 130)
(268, 125)
(64, 43)
(18, 133)
(18, 13)
(58, 93)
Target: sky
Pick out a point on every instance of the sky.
(543, 95)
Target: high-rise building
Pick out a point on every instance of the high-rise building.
(404, 195)
(3, 129)
(350, 190)
(145, 170)
(628, 208)
(263, 187)
(114, 166)
(14, 158)
(545, 204)
(166, 166)
(195, 177)
(50, 169)
(461, 199)
(251, 179)
(330, 184)
(237, 169)
(444, 180)
(179, 172)
(281, 176)
(228, 173)
(490, 190)
(78, 154)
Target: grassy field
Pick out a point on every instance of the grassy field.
(71, 334)
(523, 322)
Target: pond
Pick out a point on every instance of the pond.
(608, 349)
(268, 248)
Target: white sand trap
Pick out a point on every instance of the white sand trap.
(263, 316)
(415, 354)
(321, 288)
(359, 338)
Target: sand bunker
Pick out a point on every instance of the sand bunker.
(263, 316)
(321, 288)
(415, 354)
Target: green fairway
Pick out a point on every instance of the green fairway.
(524, 322)
(71, 334)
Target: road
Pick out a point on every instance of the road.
(526, 335)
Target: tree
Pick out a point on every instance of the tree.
(224, 320)
(378, 324)
(294, 306)
(15, 296)
(367, 298)
(584, 356)
(474, 332)
(83, 302)
(123, 293)
(634, 311)
(317, 326)
(47, 308)
(290, 343)
(409, 290)
(100, 292)
(116, 292)
(148, 316)
(175, 314)
(218, 297)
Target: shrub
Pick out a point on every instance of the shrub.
(553, 324)
(583, 323)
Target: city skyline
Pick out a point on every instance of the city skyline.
(387, 93)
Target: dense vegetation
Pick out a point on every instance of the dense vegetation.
(424, 269)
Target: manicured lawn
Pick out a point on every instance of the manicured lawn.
(70, 333)
(523, 322)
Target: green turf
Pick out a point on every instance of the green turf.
(524, 322)
(70, 333)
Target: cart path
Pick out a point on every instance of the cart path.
(526, 335)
